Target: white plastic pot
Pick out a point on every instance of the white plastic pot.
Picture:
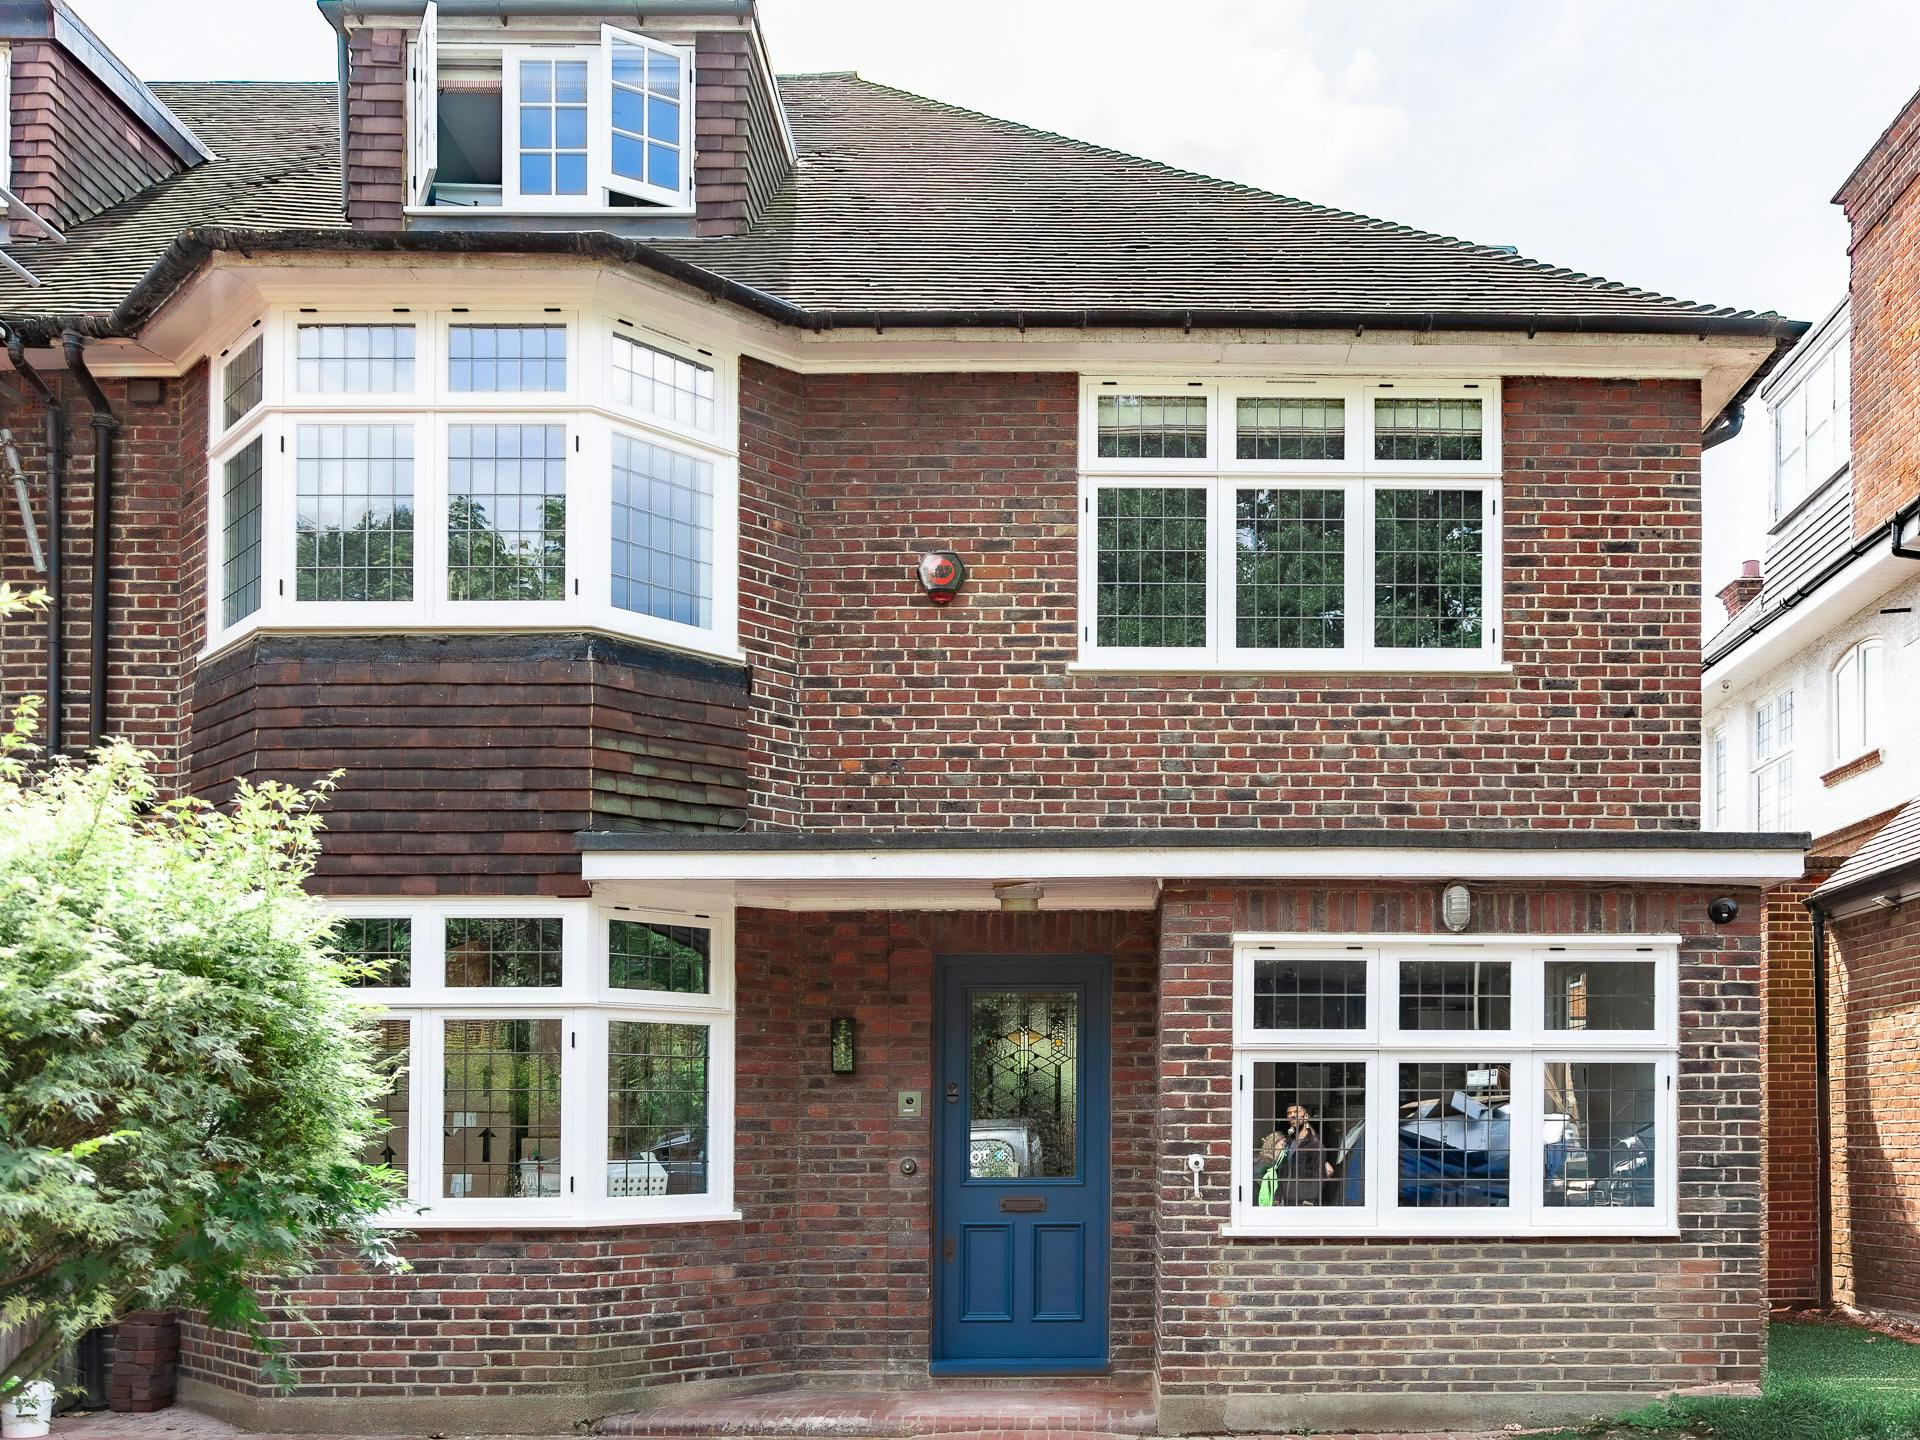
(28, 1411)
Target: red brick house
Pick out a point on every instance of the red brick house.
(1808, 692)
(970, 755)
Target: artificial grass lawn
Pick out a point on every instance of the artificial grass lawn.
(1823, 1382)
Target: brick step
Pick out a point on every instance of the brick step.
(950, 1414)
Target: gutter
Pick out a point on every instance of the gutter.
(56, 422)
(1889, 536)
(105, 426)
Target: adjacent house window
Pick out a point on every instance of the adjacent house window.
(456, 472)
(545, 128)
(1811, 430)
(1404, 1086)
(1773, 762)
(1298, 525)
(1717, 797)
(1856, 706)
(563, 1062)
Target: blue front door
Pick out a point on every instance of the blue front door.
(1021, 1129)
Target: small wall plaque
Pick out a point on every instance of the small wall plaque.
(840, 1033)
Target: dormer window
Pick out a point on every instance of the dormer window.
(550, 128)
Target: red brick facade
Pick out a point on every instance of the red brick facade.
(1793, 1150)
(1883, 209)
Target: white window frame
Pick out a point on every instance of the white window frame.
(1775, 762)
(1718, 796)
(585, 1004)
(1527, 1048)
(1356, 475)
(602, 184)
(1858, 678)
(585, 410)
(1791, 442)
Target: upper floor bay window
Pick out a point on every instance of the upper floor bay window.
(1396, 1085)
(556, 1062)
(598, 125)
(1811, 435)
(451, 470)
(1773, 762)
(1856, 701)
(1290, 524)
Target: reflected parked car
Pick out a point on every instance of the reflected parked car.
(1003, 1152)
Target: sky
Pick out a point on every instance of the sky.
(1686, 146)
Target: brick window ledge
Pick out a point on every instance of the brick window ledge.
(1859, 765)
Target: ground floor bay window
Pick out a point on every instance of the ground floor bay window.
(1437, 1087)
(555, 1062)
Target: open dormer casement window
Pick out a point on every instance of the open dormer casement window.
(550, 128)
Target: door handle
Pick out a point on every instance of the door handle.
(1024, 1205)
(946, 1250)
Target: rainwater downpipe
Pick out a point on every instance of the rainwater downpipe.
(104, 428)
(56, 419)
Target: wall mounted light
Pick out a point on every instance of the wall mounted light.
(1456, 907)
(840, 1044)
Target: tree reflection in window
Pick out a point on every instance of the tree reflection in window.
(506, 512)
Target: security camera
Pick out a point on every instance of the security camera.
(1723, 911)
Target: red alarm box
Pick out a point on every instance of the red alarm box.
(942, 573)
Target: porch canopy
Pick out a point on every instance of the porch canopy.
(1119, 869)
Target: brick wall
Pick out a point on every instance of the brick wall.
(1883, 211)
(828, 1271)
(75, 148)
(376, 156)
(1441, 1333)
(1875, 1063)
(968, 714)
(1792, 1135)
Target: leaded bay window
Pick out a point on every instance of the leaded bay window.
(1290, 524)
(1421, 1086)
(470, 470)
(556, 1062)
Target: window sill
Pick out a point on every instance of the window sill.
(598, 212)
(232, 639)
(425, 1222)
(1477, 666)
(1650, 1231)
(1846, 770)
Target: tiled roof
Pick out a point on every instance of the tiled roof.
(1894, 849)
(900, 205)
(276, 165)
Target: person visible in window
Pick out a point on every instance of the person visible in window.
(1292, 1163)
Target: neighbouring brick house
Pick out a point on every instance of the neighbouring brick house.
(949, 680)
(1809, 690)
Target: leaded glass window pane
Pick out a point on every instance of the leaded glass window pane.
(492, 359)
(552, 128)
(240, 544)
(503, 952)
(506, 512)
(1309, 994)
(1152, 427)
(1290, 561)
(1456, 995)
(1456, 1134)
(1598, 1135)
(391, 1051)
(656, 1109)
(1023, 1084)
(1309, 1128)
(378, 948)
(354, 513)
(662, 532)
(355, 359)
(642, 955)
(1278, 428)
(1151, 560)
(1409, 429)
(662, 384)
(500, 1088)
(245, 382)
(1599, 995)
(1427, 568)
